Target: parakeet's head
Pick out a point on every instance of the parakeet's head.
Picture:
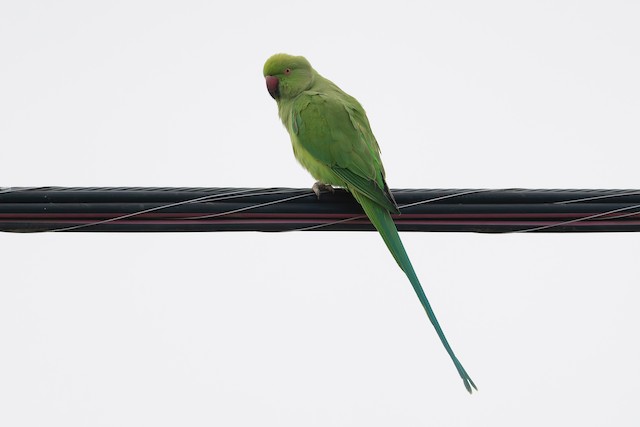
(287, 76)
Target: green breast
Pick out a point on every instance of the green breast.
(317, 169)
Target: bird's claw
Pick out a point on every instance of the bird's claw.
(319, 187)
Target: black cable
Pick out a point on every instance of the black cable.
(125, 209)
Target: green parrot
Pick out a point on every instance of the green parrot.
(332, 139)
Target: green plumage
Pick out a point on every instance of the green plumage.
(332, 139)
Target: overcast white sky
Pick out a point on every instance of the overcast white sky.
(318, 329)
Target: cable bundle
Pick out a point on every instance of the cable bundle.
(79, 209)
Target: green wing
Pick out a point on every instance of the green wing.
(335, 131)
(332, 128)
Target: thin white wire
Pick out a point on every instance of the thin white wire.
(605, 196)
(449, 196)
(201, 199)
(586, 218)
(247, 208)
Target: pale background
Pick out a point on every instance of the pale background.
(318, 329)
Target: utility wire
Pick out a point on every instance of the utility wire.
(140, 209)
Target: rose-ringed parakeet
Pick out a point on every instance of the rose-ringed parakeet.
(332, 139)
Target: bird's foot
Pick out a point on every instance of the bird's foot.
(319, 187)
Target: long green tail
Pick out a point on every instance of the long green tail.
(383, 222)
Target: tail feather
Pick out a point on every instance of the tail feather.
(383, 222)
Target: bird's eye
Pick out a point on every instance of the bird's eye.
(287, 71)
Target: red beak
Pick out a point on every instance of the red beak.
(272, 86)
